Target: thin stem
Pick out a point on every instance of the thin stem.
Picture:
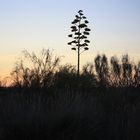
(78, 69)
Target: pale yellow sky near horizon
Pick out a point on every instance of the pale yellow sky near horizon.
(7, 62)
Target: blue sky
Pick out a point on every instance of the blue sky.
(37, 24)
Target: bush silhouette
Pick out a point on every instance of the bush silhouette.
(45, 72)
(40, 72)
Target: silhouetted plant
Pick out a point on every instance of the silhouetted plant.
(44, 72)
(17, 74)
(88, 69)
(87, 78)
(126, 70)
(137, 75)
(102, 69)
(80, 31)
(0, 82)
(39, 73)
(124, 74)
(66, 77)
(115, 76)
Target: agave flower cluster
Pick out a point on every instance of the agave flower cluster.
(80, 32)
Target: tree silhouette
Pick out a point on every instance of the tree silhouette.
(102, 70)
(40, 71)
(137, 75)
(126, 70)
(115, 71)
(80, 31)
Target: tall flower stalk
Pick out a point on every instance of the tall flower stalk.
(79, 36)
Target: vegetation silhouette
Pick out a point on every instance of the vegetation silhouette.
(45, 72)
(80, 31)
(39, 74)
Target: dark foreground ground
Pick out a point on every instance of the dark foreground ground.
(107, 114)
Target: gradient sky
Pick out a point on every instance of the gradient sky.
(37, 24)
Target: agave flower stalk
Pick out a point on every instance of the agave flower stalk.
(79, 35)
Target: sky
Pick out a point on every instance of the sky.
(37, 24)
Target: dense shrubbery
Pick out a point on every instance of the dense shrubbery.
(45, 72)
